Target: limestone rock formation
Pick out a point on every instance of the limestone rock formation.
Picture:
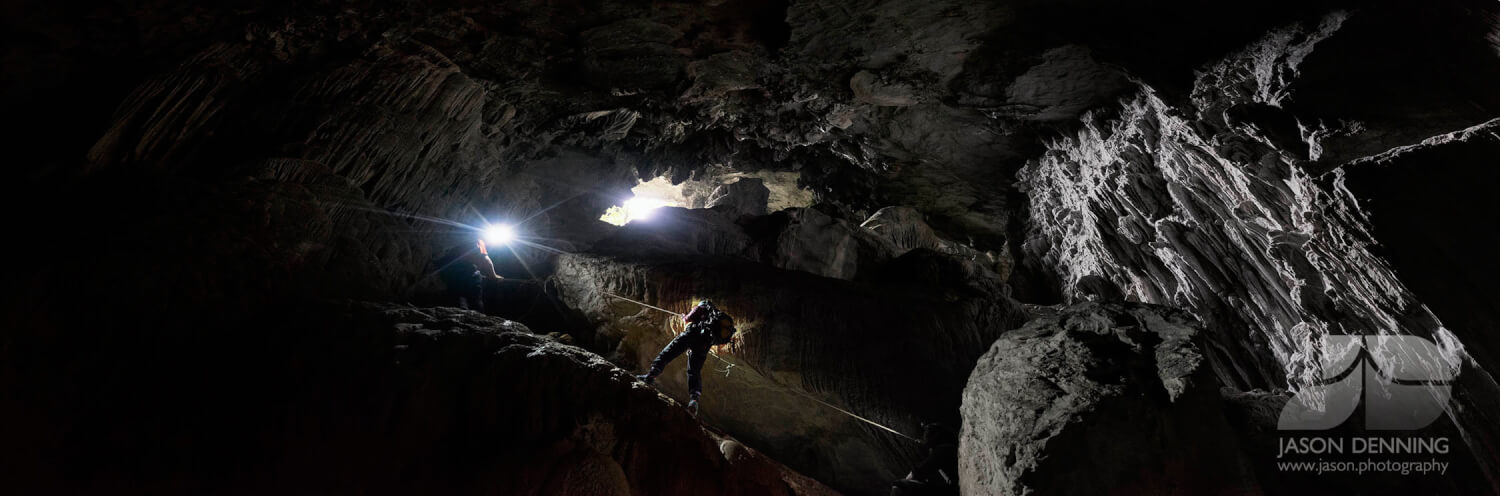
(1283, 170)
(894, 352)
(1097, 399)
(1222, 205)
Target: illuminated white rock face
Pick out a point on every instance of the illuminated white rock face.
(1220, 206)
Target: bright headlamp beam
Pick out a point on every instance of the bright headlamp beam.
(499, 234)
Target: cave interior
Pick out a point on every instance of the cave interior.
(1095, 247)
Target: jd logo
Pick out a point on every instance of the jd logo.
(1404, 380)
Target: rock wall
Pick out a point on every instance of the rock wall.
(893, 351)
(182, 166)
(1218, 205)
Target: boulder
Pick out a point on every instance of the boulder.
(747, 196)
(907, 229)
(1098, 399)
(809, 240)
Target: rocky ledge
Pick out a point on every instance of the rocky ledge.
(365, 398)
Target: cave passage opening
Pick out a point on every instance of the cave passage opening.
(646, 197)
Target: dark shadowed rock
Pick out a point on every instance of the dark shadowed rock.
(1098, 399)
(907, 229)
(376, 399)
(1099, 289)
(747, 196)
(631, 54)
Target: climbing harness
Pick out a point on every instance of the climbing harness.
(803, 394)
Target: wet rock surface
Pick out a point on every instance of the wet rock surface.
(1099, 398)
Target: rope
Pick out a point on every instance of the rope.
(803, 394)
(851, 414)
(642, 304)
(728, 366)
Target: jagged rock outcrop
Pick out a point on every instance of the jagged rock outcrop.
(894, 352)
(1099, 399)
(1216, 205)
(1431, 244)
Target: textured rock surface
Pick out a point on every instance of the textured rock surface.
(385, 399)
(1215, 205)
(895, 352)
(908, 230)
(1444, 178)
(179, 165)
(1098, 399)
(747, 196)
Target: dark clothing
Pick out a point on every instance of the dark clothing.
(697, 314)
(695, 340)
(463, 279)
(938, 473)
(696, 345)
(698, 322)
(940, 467)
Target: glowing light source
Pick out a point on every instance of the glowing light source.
(639, 208)
(636, 208)
(499, 234)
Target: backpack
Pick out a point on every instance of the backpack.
(719, 326)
